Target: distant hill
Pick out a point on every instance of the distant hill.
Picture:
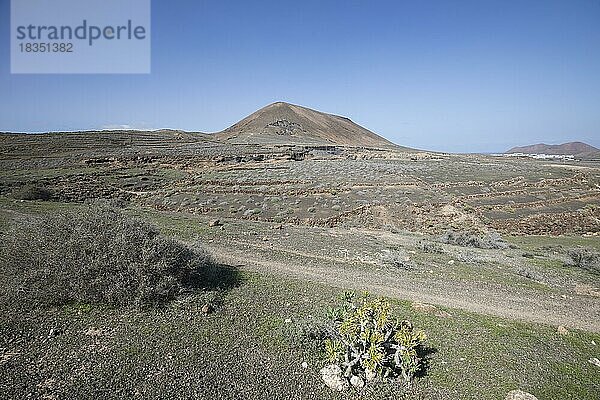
(573, 148)
(283, 123)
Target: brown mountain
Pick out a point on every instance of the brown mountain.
(283, 123)
(573, 148)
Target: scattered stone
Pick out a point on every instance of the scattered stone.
(430, 309)
(304, 364)
(215, 222)
(332, 376)
(519, 395)
(370, 375)
(448, 211)
(587, 290)
(54, 332)
(5, 357)
(288, 321)
(357, 381)
(562, 330)
(594, 361)
(207, 308)
(93, 331)
(593, 343)
(47, 385)
(451, 262)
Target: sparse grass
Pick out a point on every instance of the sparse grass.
(32, 192)
(183, 226)
(159, 352)
(37, 173)
(429, 247)
(34, 207)
(539, 243)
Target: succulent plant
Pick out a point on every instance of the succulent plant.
(367, 341)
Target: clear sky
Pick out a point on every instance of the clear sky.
(460, 76)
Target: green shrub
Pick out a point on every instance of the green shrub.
(32, 192)
(491, 240)
(96, 255)
(368, 342)
(584, 258)
(429, 247)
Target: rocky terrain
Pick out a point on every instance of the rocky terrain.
(572, 148)
(288, 123)
(493, 257)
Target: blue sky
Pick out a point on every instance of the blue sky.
(461, 76)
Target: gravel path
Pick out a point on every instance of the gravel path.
(572, 310)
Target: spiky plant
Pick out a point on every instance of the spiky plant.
(369, 342)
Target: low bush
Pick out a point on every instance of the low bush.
(308, 333)
(32, 192)
(96, 255)
(529, 274)
(396, 259)
(585, 259)
(368, 342)
(491, 240)
(429, 247)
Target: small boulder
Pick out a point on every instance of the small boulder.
(370, 375)
(207, 308)
(332, 376)
(519, 395)
(54, 332)
(93, 331)
(587, 290)
(430, 309)
(562, 330)
(215, 222)
(357, 381)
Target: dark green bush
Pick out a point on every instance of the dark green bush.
(96, 255)
(32, 192)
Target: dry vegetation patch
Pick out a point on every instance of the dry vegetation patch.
(98, 255)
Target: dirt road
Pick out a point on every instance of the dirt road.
(572, 311)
